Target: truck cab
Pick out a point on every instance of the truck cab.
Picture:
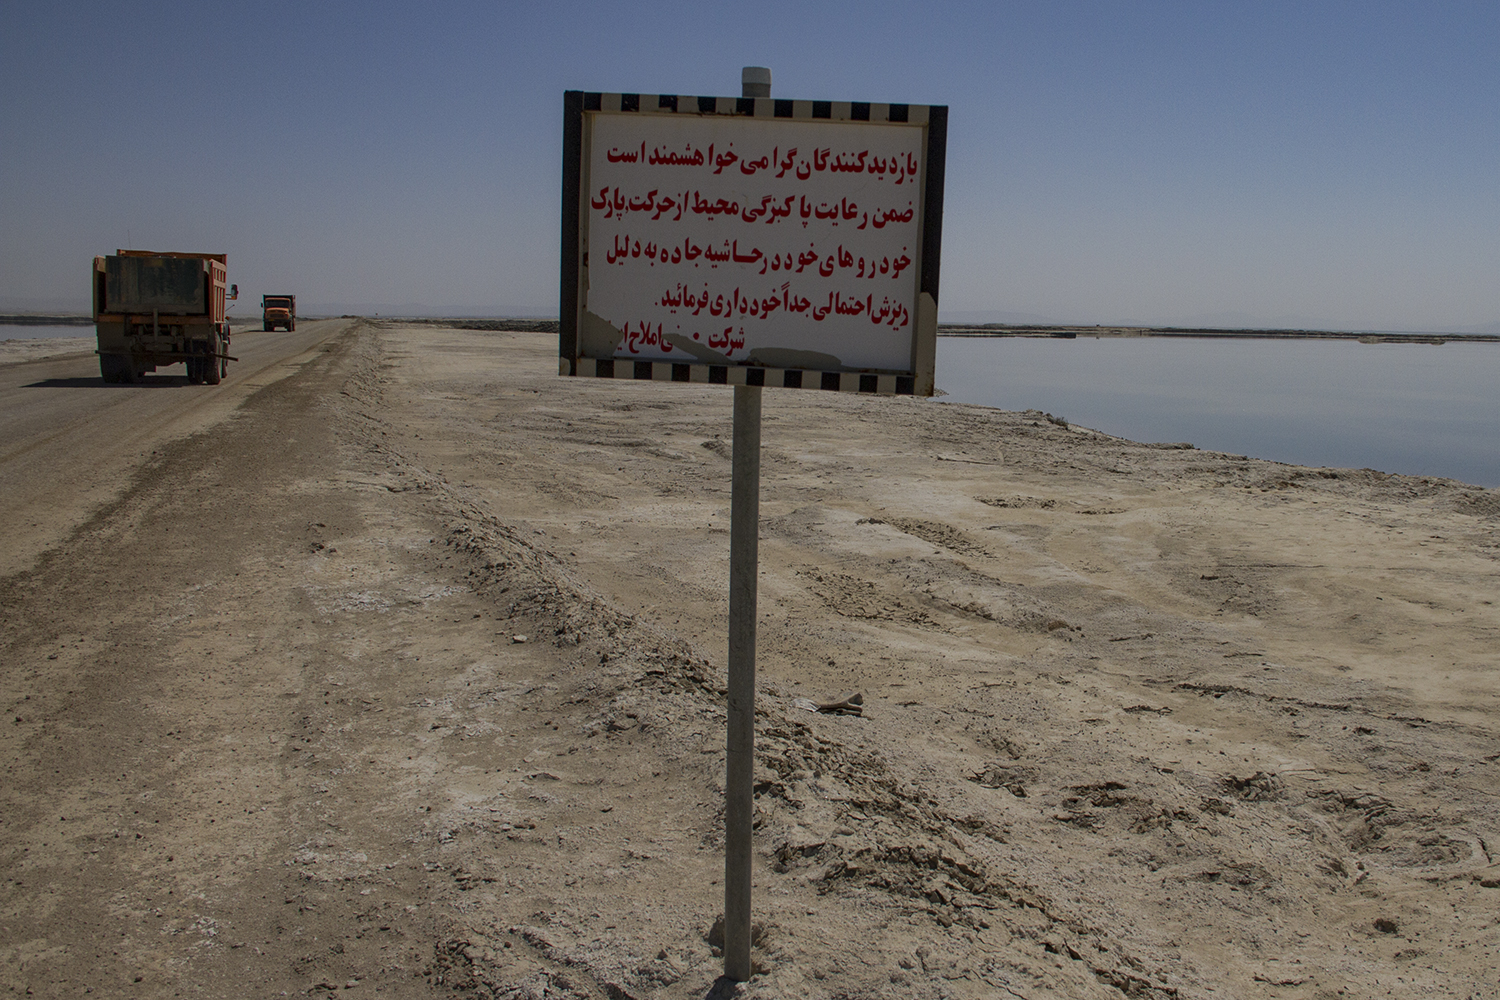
(279, 310)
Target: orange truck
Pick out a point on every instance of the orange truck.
(153, 309)
(278, 310)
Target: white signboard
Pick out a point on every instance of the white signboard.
(757, 241)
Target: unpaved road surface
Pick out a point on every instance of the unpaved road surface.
(68, 438)
(397, 669)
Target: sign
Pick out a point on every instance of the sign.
(751, 241)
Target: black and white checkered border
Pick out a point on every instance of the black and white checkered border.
(933, 118)
(760, 107)
(781, 378)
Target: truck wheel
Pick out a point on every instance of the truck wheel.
(211, 363)
(194, 371)
(291, 327)
(267, 327)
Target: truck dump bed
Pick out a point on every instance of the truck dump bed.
(153, 309)
(177, 284)
(172, 285)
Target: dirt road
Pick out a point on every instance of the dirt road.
(401, 675)
(70, 440)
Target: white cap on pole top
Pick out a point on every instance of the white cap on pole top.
(755, 81)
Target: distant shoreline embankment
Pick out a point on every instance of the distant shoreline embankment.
(502, 325)
(1073, 332)
(33, 319)
(1060, 332)
(944, 329)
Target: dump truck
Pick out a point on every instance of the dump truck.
(153, 309)
(278, 310)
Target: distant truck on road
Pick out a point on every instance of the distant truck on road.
(153, 309)
(279, 310)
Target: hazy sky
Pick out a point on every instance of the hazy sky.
(1325, 164)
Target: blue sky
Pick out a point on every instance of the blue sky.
(1307, 164)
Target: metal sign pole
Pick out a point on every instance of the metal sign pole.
(744, 565)
(739, 805)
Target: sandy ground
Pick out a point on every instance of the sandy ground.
(406, 678)
(36, 348)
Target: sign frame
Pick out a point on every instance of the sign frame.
(579, 351)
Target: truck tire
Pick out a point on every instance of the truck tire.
(291, 327)
(211, 367)
(267, 327)
(194, 370)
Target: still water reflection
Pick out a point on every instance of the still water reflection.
(1419, 409)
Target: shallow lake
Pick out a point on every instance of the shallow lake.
(23, 332)
(1419, 409)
